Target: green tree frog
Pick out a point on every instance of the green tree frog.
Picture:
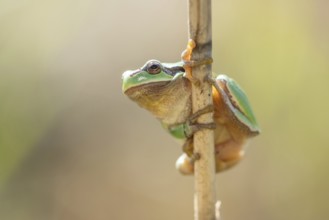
(164, 90)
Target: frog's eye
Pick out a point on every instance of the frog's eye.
(154, 68)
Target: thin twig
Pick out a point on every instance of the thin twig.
(204, 171)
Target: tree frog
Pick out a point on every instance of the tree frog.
(165, 90)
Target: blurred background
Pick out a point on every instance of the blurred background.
(72, 147)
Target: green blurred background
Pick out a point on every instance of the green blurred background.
(73, 147)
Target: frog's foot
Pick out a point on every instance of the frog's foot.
(188, 150)
(194, 63)
(185, 165)
(187, 53)
(189, 64)
(192, 126)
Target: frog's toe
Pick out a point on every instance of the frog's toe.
(185, 165)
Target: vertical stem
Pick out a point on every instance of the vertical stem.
(204, 171)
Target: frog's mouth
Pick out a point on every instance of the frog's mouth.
(151, 88)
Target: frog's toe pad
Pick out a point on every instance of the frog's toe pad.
(185, 165)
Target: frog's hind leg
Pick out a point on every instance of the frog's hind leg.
(228, 154)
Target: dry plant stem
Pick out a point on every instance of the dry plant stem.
(204, 171)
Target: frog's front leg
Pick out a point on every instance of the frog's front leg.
(185, 164)
(192, 126)
(188, 128)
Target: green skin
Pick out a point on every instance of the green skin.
(165, 91)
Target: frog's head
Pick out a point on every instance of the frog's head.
(157, 87)
(152, 74)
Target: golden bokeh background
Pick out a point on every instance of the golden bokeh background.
(72, 147)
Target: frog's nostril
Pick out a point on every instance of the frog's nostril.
(129, 73)
(132, 73)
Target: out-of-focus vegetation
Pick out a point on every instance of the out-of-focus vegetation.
(73, 147)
